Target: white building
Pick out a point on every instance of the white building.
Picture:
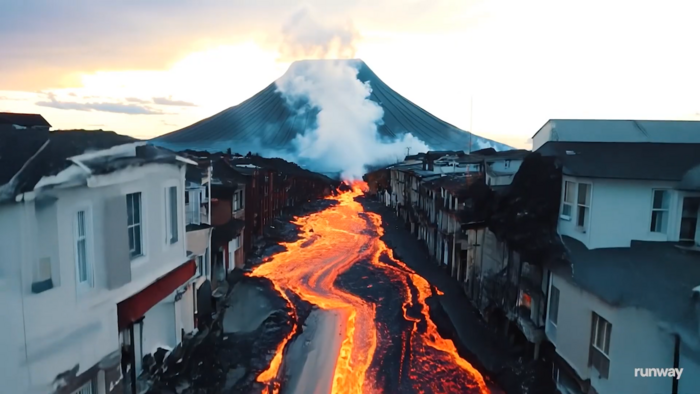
(626, 300)
(92, 256)
(603, 130)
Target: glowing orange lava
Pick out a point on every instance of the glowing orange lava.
(331, 242)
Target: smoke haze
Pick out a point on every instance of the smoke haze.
(304, 36)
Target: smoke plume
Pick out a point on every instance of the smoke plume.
(304, 36)
(344, 138)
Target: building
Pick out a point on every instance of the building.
(13, 121)
(604, 130)
(94, 269)
(627, 296)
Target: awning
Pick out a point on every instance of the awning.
(136, 306)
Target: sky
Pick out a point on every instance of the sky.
(500, 68)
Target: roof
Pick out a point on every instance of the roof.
(599, 130)
(25, 120)
(267, 121)
(452, 183)
(656, 276)
(23, 161)
(621, 160)
(226, 232)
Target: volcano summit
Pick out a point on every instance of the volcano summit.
(271, 121)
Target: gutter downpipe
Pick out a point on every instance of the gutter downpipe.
(676, 362)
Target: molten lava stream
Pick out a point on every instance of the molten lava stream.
(331, 242)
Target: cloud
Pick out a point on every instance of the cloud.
(169, 101)
(136, 100)
(120, 108)
(153, 35)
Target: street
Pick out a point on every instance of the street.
(370, 328)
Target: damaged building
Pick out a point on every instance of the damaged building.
(95, 269)
(585, 251)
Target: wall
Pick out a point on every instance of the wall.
(542, 136)
(64, 326)
(158, 327)
(620, 211)
(636, 342)
(221, 212)
(14, 373)
(500, 166)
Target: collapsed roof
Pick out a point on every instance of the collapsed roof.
(266, 121)
(31, 160)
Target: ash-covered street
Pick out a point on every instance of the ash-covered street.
(335, 312)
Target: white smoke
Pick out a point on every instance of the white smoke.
(344, 139)
(308, 36)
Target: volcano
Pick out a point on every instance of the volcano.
(267, 121)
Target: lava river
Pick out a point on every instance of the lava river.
(331, 242)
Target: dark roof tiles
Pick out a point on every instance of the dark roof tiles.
(624, 160)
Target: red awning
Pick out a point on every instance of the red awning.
(136, 306)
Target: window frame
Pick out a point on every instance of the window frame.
(586, 206)
(554, 321)
(596, 351)
(194, 206)
(140, 225)
(237, 200)
(666, 211)
(570, 204)
(89, 283)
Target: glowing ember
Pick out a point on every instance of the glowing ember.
(331, 242)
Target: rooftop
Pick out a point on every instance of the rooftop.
(24, 120)
(656, 276)
(656, 131)
(624, 160)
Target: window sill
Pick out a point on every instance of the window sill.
(139, 260)
(565, 217)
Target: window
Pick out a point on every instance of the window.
(659, 211)
(599, 356)
(583, 205)
(194, 206)
(82, 259)
(568, 201)
(171, 222)
(689, 219)
(134, 224)
(238, 199)
(200, 265)
(554, 305)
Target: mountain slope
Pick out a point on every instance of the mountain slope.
(266, 122)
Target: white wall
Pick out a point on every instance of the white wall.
(14, 375)
(158, 327)
(620, 211)
(63, 326)
(542, 136)
(636, 341)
